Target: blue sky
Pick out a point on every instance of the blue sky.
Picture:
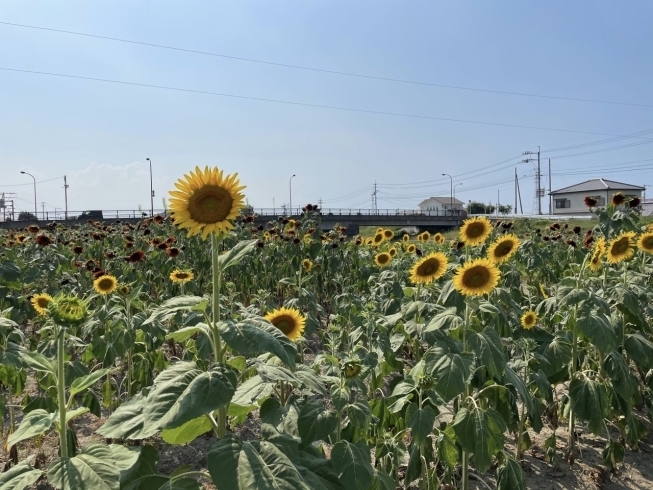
(99, 134)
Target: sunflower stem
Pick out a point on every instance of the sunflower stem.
(218, 353)
(61, 393)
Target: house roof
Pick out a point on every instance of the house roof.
(442, 200)
(598, 185)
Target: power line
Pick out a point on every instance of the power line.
(302, 104)
(31, 183)
(332, 72)
(638, 134)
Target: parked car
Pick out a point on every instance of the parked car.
(91, 215)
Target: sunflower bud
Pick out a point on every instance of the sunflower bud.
(68, 310)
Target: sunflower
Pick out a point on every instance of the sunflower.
(40, 303)
(595, 261)
(621, 247)
(105, 284)
(181, 276)
(307, 265)
(289, 320)
(411, 249)
(406, 237)
(379, 230)
(475, 230)
(43, 240)
(645, 242)
(388, 234)
(618, 199)
(33, 229)
(369, 241)
(378, 239)
(426, 236)
(528, 319)
(392, 252)
(438, 238)
(590, 202)
(206, 201)
(476, 278)
(382, 259)
(429, 268)
(503, 248)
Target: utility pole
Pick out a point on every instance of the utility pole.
(65, 190)
(43, 211)
(151, 190)
(451, 193)
(550, 197)
(498, 200)
(375, 203)
(290, 188)
(538, 186)
(516, 190)
(521, 208)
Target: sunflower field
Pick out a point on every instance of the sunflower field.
(354, 364)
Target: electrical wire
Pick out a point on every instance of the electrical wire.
(332, 72)
(301, 104)
(32, 183)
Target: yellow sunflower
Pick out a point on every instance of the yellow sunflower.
(411, 249)
(475, 230)
(181, 276)
(369, 241)
(429, 268)
(206, 201)
(528, 319)
(40, 303)
(379, 230)
(289, 320)
(645, 242)
(476, 278)
(307, 265)
(621, 248)
(392, 252)
(595, 261)
(503, 248)
(383, 259)
(406, 237)
(378, 239)
(388, 234)
(426, 236)
(105, 284)
(438, 238)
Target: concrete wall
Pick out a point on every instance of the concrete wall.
(577, 200)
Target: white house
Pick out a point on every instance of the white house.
(571, 200)
(441, 205)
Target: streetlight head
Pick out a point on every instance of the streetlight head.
(22, 172)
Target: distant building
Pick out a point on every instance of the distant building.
(571, 200)
(441, 206)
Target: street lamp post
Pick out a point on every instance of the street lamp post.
(451, 194)
(290, 187)
(454, 189)
(151, 190)
(35, 208)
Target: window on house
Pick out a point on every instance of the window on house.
(562, 203)
(600, 200)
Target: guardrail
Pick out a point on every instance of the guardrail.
(298, 211)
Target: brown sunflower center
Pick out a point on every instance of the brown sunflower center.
(181, 275)
(621, 246)
(105, 284)
(378, 238)
(503, 249)
(285, 323)
(475, 230)
(476, 277)
(529, 319)
(647, 243)
(210, 204)
(383, 258)
(42, 302)
(428, 267)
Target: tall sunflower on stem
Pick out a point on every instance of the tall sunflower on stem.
(206, 202)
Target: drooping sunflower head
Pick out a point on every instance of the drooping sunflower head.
(289, 320)
(618, 199)
(475, 230)
(68, 310)
(206, 201)
(503, 248)
(33, 229)
(379, 238)
(388, 234)
(392, 252)
(181, 276)
(438, 238)
(307, 265)
(590, 202)
(105, 284)
(40, 303)
(382, 259)
(406, 237)
(645, 242)
(352, 368)
(43, 240)
(621, 248)
(529, 319)
(429, 268)
(595, 261)
(476, 278)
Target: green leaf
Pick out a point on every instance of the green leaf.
(481, 433)
(613, 453)
(38, 362)
(451, 373)
(80, 384)
(315, 422)
(421, 423)
(589, 402)
(222, 462)
(446, 320)
(309, 380)
(596, 328)
(622, 381)
(639, 350)
(171, 306)
(510, 476)
(186, 333)
(446, 445)
(252, 391)
(514, 379)
(487, 347)
(180, 393)
(236, 254)
(254, 336)
(187, 432)
(20, 476)
(125, 456)
(34, 423)
(352, 463)
(94, 468)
